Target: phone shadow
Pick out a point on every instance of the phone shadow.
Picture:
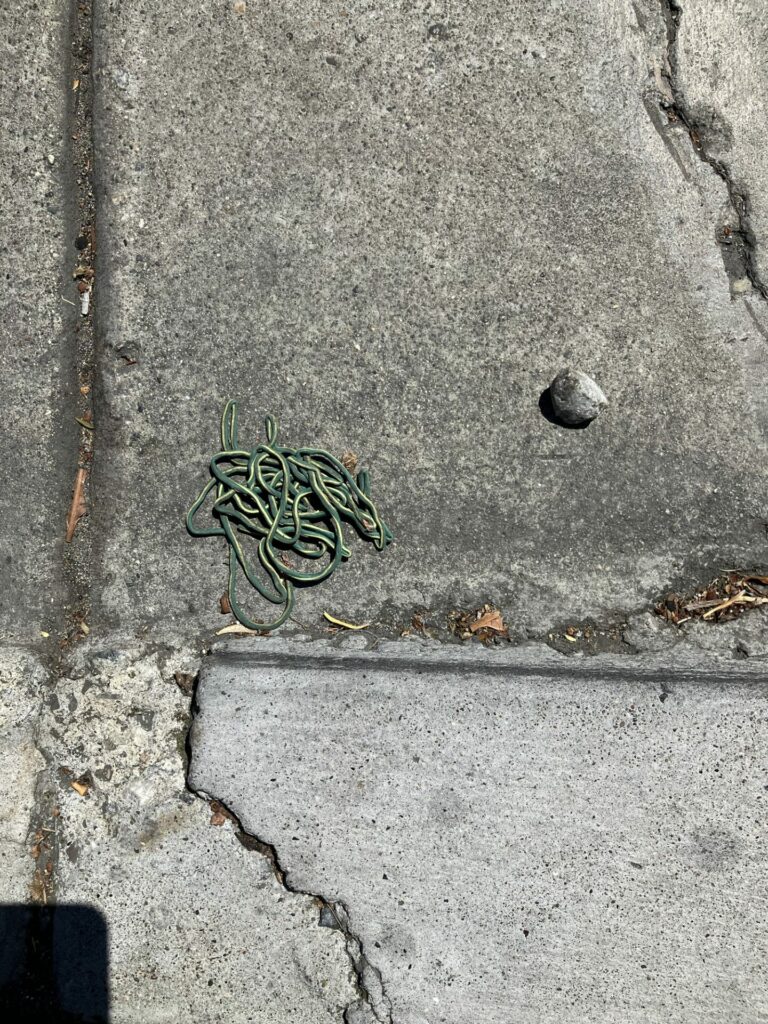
(54, 965)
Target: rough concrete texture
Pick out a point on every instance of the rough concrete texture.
(389, 226)
(35, 321)
(22, 683)
(515, 837)
(722, 74)
(199, 927)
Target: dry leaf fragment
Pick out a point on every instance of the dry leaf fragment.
(491, 619)
(84, 422)
(224, 605)
(239, 630)
(345, 625)
(185, 682)
(80, 787)
(219, 813)
(349, 461)
(486, 624)
(572, 639)
(77, 509)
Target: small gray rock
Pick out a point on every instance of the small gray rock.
(575, 397)
(121, 78)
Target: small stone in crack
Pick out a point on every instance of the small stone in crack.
(575, 397)
(327, 918)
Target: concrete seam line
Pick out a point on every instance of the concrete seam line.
(81, 259)
(436, 662)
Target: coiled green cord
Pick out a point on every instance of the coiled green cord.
(290, 500)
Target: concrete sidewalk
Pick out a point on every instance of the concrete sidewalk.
(511, 838)
(389, 226)
(37, 319)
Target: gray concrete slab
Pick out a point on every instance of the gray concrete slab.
(22, 681)
(390, 226)
(39, 447)
(515, 836)
(199, 928)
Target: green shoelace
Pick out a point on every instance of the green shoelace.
(291, 500)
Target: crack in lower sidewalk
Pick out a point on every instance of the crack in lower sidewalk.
(373, 1005)
(740, 241)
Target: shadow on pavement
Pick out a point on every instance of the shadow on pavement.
(53, 965)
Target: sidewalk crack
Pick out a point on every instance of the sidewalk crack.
(737, 240)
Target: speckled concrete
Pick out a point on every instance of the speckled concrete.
(515, 837)
(38, 451)
(199, 926)
(390, 225)
(22, 683)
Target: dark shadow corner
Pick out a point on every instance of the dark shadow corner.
(53, 965)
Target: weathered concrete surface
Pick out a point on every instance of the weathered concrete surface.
(389, 227)
(722, 72)
(199, 927)
(515, 837)
(35, 323)
(22, 684)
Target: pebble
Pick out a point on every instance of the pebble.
(576, 398)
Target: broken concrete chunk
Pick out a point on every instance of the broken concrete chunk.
(576, 398)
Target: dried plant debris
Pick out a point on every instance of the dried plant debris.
(590, 638)
(725, 598)
(485, 623)
(82, 785)
(78, 507)
(418, 625)
(185, 682)
(238, 629)
(220, 814)
(343, 624)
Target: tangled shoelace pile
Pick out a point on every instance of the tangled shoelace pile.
(288, 500)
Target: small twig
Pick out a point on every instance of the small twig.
(77, 508)
(696, 606)
(741, 598)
